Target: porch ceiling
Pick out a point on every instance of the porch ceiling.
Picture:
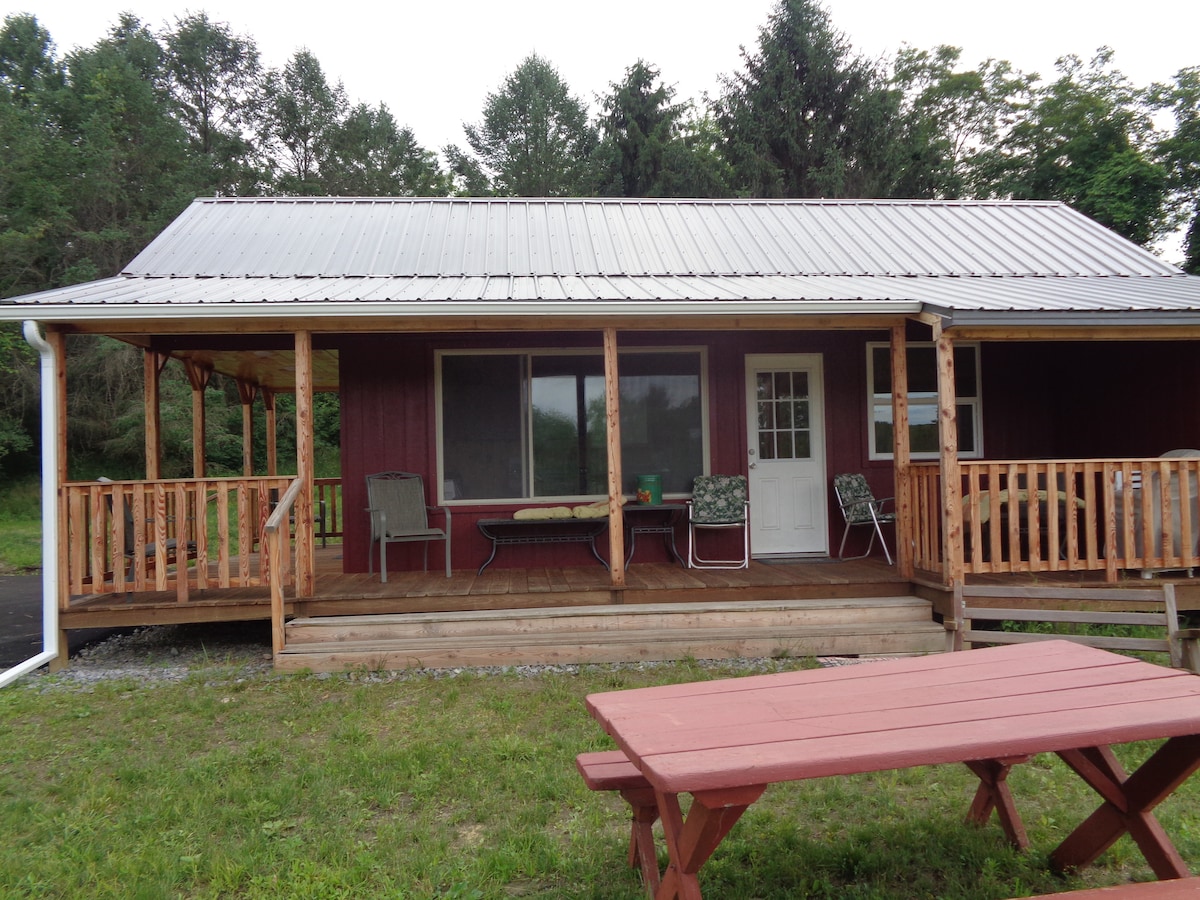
(272, 369)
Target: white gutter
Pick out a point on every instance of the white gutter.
(49, 379)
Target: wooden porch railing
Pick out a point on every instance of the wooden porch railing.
(127, 536)
(1104, 515)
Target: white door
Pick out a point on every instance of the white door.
(786, 446)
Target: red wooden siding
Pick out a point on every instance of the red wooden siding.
(388, 422)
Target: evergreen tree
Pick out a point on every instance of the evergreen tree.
(805, 117)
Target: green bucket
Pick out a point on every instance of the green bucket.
(649, 490)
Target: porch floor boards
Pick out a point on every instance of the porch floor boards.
(360, 593)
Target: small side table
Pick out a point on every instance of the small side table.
(658, 518)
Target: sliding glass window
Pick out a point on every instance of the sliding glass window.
(531, 425)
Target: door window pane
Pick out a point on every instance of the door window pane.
(783, 415)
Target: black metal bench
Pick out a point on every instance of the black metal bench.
(504, 532)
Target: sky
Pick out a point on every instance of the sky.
(434, 64)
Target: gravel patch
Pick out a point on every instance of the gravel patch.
(237, 651)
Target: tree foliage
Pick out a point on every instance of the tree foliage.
(534, 139)
(1085, 139)
(806, 117)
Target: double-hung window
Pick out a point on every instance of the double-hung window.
(923, 400)
(530, 425)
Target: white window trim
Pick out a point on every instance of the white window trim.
(528, 353)
(975, 403)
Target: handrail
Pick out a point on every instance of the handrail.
(276, 529)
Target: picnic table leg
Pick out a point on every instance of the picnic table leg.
(692, 841)
(642, 854)
(1128, 805)
(994, 794)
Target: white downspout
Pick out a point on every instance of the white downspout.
(50, 549)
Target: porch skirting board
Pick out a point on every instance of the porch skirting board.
(613, 634)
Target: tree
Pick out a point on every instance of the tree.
(133, 170)
(952, 120)
(806, 118)
(29, 68)
(1179, 153)
(1085, 140)
(369, 155)
(35, 167)
(640, 124)
(534, 139)
(301, 115)
(213, 76)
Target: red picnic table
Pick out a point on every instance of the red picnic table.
(724, 741)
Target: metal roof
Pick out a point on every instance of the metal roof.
(379, 256)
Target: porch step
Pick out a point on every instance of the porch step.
(614, 633)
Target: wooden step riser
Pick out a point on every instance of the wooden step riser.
(608, 619)
(390, 658)
(367, 630)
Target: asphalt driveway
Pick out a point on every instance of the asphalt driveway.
(21, 621)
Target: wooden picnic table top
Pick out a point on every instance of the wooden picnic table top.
(982, 704)
(725, 741)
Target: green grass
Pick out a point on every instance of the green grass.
(348, 786)
(20, 527)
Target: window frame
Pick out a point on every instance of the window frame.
(527, 355)
(975, 403)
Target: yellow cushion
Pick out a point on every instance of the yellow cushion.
(543, 512)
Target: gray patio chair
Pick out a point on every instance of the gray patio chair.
(399, 515)
(719, 502)
(859, 507)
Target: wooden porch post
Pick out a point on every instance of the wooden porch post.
(268, 396)
(152, 365)
(247, 392)
(306, 550)
(952, 515)
(612, 403)
(198, 377)
(901, 453)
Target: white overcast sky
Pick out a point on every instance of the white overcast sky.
(434, 63)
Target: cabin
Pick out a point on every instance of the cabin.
(1019, 379)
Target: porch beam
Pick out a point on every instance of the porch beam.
(246, 393)
(952, 515)
(306, 551)
(901, 452)
(612, 406)
(153, 364)
(199, 377)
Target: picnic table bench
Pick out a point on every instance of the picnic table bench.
(724, 741)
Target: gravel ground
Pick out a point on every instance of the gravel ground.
(239, 651)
